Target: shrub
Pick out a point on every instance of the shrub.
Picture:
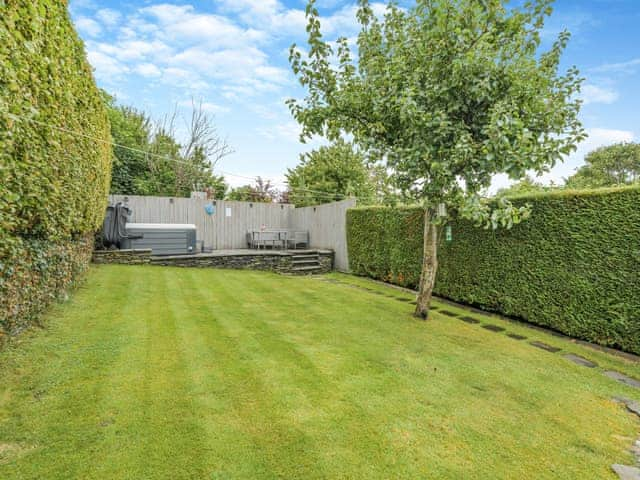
(38, 273)
(55, 156)
(574, 266)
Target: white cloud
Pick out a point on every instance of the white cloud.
(289, 131)
(184, 79)
(189, 49)
(107, 68)
(88, 26)
(630, 66)
(596, 94)
(132, 49)
(268, 15)
(76, 5)
(148, 70)
(244, 71)
(207, 107)
(184, 25)
(108, 17)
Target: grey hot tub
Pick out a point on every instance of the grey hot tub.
(161, 238)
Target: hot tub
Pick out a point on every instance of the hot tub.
(161, 238)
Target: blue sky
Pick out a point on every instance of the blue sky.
(232, 55)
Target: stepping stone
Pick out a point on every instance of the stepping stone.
(556, 334)
(632, 406)
(625, 472)
(448, 313)
(578, 360)
(544, 346)
(493, 328)
(516, 336)
(632, 382)
(471, 320)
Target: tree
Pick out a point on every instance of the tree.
(149, 160)
(131, 129)
(448, 93)
(525, 186)
(262, 191)
(331, 173)
(617, 164)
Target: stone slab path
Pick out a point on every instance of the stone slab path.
(622, 378)
(493, 328)
(545, 346)
(578, 360)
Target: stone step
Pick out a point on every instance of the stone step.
(305, 257)
(306, 269)
(306, 261)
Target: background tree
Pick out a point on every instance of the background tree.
(332, 173)
(261, 191)
(132, 129)
(525, 186)
(617, 164)
(448, 94)
(149, 160)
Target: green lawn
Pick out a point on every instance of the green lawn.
(151, 372)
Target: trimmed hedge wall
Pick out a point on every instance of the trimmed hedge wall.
(574, 266)
(53, 184)
(41, 273)
(55, 156)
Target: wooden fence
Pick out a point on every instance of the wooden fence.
(226, 228)
(327, 227)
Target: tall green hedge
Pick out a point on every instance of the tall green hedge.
(55, 157)
(574, 266)
(54, 179)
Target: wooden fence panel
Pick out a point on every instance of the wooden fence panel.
(327, 227)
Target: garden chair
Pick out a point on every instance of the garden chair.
(269, 238)
(299, 238)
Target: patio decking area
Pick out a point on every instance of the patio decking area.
(300, 262)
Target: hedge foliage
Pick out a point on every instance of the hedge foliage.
(574, 266)
(37, 274)
(53, 183)
(55, 156)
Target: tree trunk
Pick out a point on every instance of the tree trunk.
(429, 266)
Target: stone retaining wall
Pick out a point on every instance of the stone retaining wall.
(280, 262)
(326, 261)
(127, 257)
(277, 261)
